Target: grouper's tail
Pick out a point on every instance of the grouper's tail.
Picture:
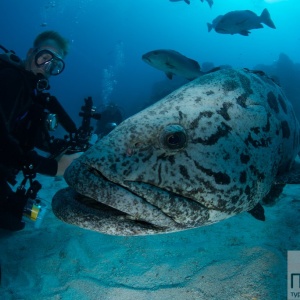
(266, 18)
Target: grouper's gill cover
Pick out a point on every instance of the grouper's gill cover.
(206, 152)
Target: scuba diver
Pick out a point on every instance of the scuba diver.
(111, 116)
(24, 112)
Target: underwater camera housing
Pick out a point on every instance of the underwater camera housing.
(77, 140)
(34, 209)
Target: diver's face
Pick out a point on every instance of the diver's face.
(46, 60)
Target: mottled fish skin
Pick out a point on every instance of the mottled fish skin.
(208, 151)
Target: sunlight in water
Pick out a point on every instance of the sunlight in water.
(109, 75)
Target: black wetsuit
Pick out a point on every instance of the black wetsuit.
(17, 97)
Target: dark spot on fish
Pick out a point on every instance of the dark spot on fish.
(203, 114)
(282, 103)
(171, 159)
(224, 110)
(296, 140)
(222, 131)
(268, 126)
(256, 130)
(230, 85)
(113, 167)
(206, 114)
(243, 177)
(260, 176)
(258, 143)
(286, 132)
(273, 102)
(147, 157)
(162, 156)
(125, 163)
(208, 93)
(125, 172)
(222, 204)
(241, 100)
(220, 178)
(159, 174)
(184, 172)
(226, 156)
(247, 190)
(234, 199)
(180, 115)
(198, 99)
(244, 158)
(246, 84)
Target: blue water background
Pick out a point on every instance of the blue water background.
(108, 37)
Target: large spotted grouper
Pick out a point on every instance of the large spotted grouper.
(210, 150)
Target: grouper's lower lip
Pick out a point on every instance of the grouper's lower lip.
(92, 196)
(73, 208)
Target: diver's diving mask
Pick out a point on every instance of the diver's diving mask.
(51, 62)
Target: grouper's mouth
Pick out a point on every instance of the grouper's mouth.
(93, 202)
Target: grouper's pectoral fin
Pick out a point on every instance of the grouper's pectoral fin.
(258, 212)
(169, 75)
(290, 177)
(273, 196)
(244, 32)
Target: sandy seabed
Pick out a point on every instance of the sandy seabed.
(239, 258)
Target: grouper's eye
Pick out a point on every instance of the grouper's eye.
(173, 137)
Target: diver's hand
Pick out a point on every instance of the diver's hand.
(64, 161)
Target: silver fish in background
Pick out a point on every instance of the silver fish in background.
(240, 22)
(208, 151)
(173, 63)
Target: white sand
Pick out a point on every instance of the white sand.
(240, 258)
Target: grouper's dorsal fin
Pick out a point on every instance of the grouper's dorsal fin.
(290, 177)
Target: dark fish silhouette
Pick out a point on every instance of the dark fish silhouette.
(240, 22)
(173, 63)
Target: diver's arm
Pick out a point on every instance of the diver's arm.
(64, 162)
(51, 167)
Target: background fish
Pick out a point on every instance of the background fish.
(208, 151)
(210, 2)
(186, 1)
(173, 63)
(240, 21)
